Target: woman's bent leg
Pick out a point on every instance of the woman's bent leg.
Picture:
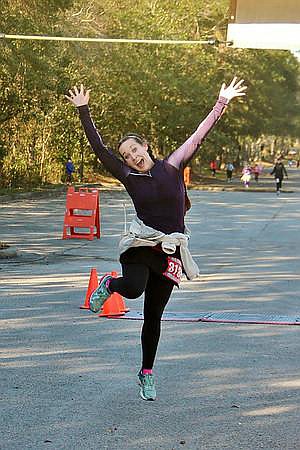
(133, 281)
(131, 285)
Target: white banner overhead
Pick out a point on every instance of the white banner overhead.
(268, 24)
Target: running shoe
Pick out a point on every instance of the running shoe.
(100, 295)
(147, 384)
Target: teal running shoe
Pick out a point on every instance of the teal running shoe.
(100, 295)
(147, 384)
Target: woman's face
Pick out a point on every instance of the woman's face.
(136, 155)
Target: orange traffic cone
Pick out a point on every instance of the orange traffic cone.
(93, 284)
(120, 299)
(112, 306)
(121, 303)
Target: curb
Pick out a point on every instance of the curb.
(19, 196)
(235, 189)
(16, 197)
(9, 252)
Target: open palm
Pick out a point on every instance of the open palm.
(235, 89)
(79, 97)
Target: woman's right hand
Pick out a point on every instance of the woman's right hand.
(235, 89)
(79, 98)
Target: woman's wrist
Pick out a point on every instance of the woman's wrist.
(223, 100)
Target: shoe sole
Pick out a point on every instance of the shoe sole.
(97, 300)
(152, 399)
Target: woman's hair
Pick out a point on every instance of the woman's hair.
(139, 139)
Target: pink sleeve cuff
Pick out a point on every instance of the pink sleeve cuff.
(223, 100)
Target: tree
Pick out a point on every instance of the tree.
(159, 91)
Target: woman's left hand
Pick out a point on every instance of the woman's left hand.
(235, 89)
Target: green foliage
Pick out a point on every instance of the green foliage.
(162, 92)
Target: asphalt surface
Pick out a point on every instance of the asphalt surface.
(68, 378)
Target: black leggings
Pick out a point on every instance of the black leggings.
(278, 183)
(136, 279)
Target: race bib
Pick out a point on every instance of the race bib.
(174, 269)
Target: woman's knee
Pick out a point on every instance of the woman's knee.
(134, 291)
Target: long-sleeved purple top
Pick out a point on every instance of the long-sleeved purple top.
(158, 195)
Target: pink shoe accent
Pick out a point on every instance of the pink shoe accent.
(107, 285)
(146, 371)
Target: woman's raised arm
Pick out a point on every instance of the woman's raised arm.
(80, 99)
(181, 156)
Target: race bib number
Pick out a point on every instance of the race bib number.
(174, 269)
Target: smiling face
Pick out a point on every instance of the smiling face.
(136, 155)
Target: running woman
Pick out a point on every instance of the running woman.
(279, 171)
(155, 251)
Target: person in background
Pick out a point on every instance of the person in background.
(213, 167)
(256, 170)
(246, 175)
(279, 171)
(69, 170)
(229, 170)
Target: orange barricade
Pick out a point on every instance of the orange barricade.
(187, 175)
(82, 215)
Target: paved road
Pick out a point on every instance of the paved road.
(68, 378)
